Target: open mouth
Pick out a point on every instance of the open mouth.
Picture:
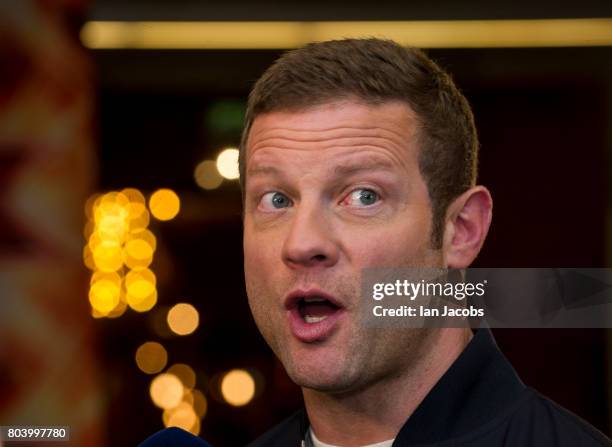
(313, 314)
(314, 309)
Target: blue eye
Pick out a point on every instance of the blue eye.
(362, 197)
(275, 200)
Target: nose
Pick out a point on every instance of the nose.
(310, 242)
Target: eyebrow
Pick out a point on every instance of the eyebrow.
(366, 165)
(263, 169)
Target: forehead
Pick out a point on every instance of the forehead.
(389, 127)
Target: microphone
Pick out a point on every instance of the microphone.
(173, 436)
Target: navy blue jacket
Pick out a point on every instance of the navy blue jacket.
(173, 437)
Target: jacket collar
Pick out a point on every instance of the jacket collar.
(477, 388)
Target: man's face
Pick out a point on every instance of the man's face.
(330, 191)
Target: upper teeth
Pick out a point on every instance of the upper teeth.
(314, 299)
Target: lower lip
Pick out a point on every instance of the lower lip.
(312, 332)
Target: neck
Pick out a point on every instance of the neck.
(377, 412)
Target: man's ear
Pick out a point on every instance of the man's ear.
(467, 223)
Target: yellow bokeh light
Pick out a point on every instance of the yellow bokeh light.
(188, 395)
(136, 209)
(111, 215)
(137, 254)
(207, 175)
(139, 222)
(182, 416)
(145, 235)
(227, 163)
(113, 277)
(117, 235)
(115, 197)
(185, 373)
(140, 289)
(138, 216)
(166, 391)
(93, 241)
(183, 319)
(151, 357)
(140, 303)
(139, 275)
(88, 258)
(238, 387)
(90, 227)
(105, 291)
(104, 296)
(112, 226)
(200, 404)
(141, 293)
(134, 196)
(139, 249)
(89, 206)
(107, 255)
(164, 204)
(119, 309)
(97, 314)
(195, 430)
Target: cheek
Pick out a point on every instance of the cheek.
(401, 242)
(258, 251)
(260, 266)
(261, 262)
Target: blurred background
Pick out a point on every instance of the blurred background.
(122, 303)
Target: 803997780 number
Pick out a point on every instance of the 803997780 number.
(32, 433)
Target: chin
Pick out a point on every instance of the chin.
(329, 385)
(327, 378)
